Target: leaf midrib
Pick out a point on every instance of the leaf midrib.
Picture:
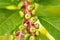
(50, 24)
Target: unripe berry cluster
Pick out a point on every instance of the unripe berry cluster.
(27, 30)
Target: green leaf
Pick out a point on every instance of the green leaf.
(52, 24)
(48, 2)
(48, 11)
(4, 3)
(9, 20)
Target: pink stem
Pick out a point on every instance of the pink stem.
(20, 36)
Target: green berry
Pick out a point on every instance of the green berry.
(37, 26)
(21, 13)
(33, 12)
(33, 19)
(32, 29)
(21, 27)
(20, 4)
(25, 25)
(27, 35)
(37, 32)
(32, 38)
(31, 7)
(27, 16)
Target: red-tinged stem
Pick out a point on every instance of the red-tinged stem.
(20, 35)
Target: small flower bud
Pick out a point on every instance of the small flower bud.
(33, 19)
(16, 33)
(25, 24)
(21, 13)
(36, 6)
(27, 16)
(32, 38)
(21, 27)
(27, 35)
(31, 7)
(32, 29)
(20, 4)
(37, 32)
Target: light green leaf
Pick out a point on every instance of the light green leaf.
(4, 3)
(9, 20)
(52, 24)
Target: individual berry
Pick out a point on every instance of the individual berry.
(34, 34)
(32, 38)
(36, 6)
(25, 24)
(20, 5)
(37, 32)
(30, 12)
(33, 12)
(33, 19)
(27, 35)
(21, 13)
(25, 4)
(21, 27)
(32, 29)
(31, 7)
(16, 33)
(37, 26)
(27, 16)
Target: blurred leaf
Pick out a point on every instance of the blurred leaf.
(48, 2)
(52, 24)
(4, 3)
(9, 20)
(48, 11)
(4, 37)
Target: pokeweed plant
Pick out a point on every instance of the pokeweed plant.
(29, 20)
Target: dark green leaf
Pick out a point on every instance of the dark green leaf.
(52, 24)
(48, 2)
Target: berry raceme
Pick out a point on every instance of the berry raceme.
(28, 28)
